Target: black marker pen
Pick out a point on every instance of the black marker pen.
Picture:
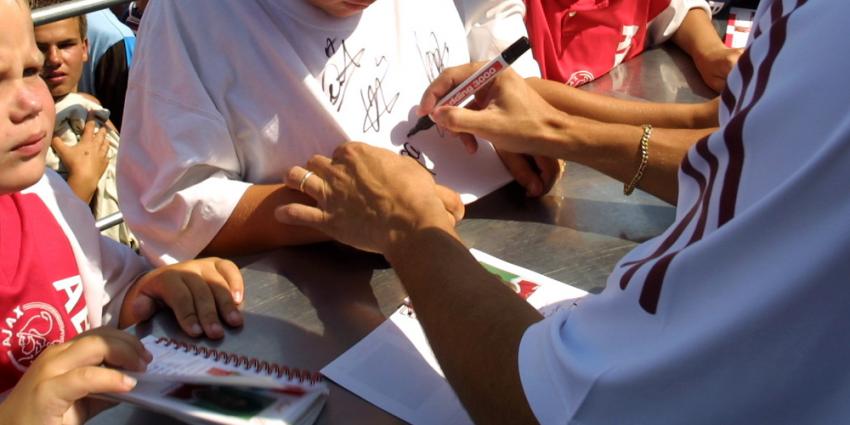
(476, 81)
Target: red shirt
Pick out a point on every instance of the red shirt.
(577, 41)
(41, 292)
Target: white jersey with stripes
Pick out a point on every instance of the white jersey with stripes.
(740, 311)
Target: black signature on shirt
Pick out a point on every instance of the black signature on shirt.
(409, 150)
(335, 78)
(434, 55)
(375, 99)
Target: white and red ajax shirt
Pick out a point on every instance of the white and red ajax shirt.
(58, 275)
(40, 286)
(577, 41)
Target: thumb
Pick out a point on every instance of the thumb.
(142, 308)
(302, 215)
(59, 146)
(462, 120)
(81, 382)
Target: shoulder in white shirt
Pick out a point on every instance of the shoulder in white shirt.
(232, 94)
(107, 268)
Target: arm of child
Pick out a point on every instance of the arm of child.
(53, 391)
(712, 58)
(198, 291)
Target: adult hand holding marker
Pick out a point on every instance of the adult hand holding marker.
(508, 113)
(476, 81)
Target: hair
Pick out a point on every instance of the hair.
(81, 19)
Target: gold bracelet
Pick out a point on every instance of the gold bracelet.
(644, 160)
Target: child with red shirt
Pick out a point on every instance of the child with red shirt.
(577, 41)
(60, 280)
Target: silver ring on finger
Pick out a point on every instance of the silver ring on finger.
(304, 180)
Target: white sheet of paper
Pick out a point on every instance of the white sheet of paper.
(394, 368)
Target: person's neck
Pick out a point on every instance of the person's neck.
(57, 99)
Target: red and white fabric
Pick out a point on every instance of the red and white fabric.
(577, 41)
(58, 275)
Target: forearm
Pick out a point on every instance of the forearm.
(473, 323)
(696, 35)
(614, 149)
(252, 226)
(609, 109)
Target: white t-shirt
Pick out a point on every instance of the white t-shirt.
(107, 268)
(738, 313)
(222, 96)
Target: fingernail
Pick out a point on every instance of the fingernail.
(129, 381)
(147, 356)
(196, 329)
(216, 329)
(142, 365)
(533, 189)
(234, 318)
(237, 297)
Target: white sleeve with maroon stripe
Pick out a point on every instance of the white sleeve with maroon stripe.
(663, 26)
(493, 25)
(738, 312)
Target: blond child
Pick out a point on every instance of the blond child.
(62, 284)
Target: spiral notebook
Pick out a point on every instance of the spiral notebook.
(394, 368)
(198, 384)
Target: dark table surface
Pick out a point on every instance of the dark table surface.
(307, 305)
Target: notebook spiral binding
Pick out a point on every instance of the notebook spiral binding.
(247, 363)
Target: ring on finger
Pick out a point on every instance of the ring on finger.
(304, 180)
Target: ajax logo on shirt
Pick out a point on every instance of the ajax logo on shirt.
(33, 326)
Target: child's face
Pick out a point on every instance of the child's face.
(65, 51)
(26, 108)
(341, 8)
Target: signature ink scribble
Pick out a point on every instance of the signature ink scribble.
(434, 56)
(375, 101)
(409, 150)
(335, 78)
(330, 47)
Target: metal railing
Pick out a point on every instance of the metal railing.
(60, 11)
(109, 221)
